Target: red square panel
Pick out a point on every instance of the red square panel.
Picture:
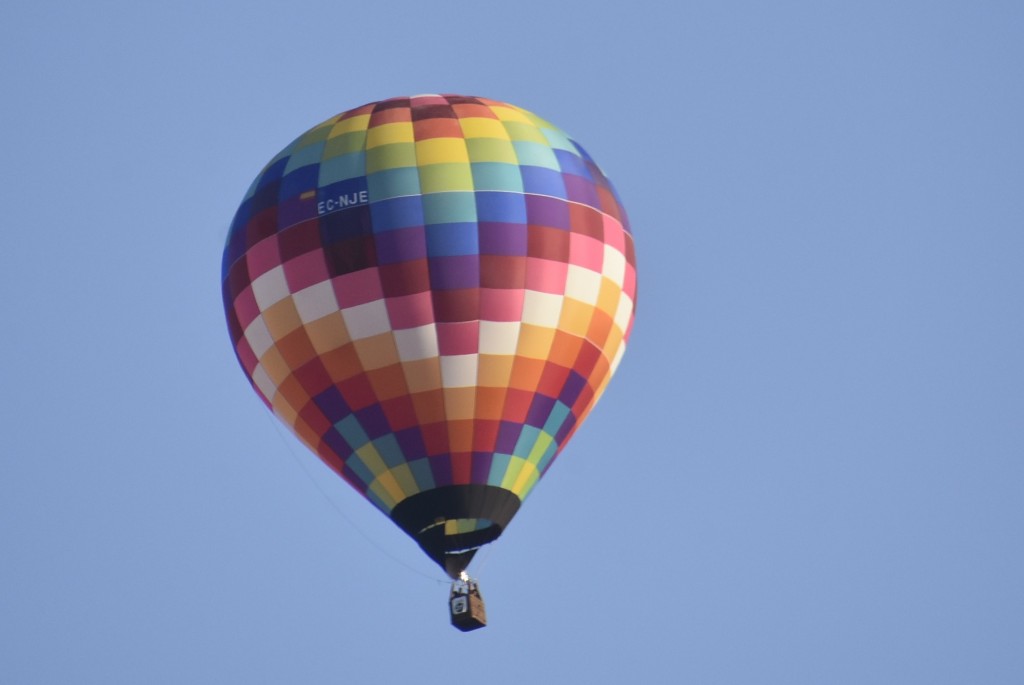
(485, 435)
(462, 467)
(461, 337)
(436, 128)
(457, 305)
(357, 391)
(435, 438)
(405, 278)
(517, 405)
(502, 271)
(400, 412)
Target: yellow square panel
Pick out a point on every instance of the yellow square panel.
(356, 123)
(608, 299)
(575, 317)
(480, 127)
(443, 178)
(275, 366)
(387, 134)
(282, 318)
(423, 374)
(328, 333)
(535, 341)
(377, 351)
(441, 151)
(492, 149)
(494, 370)
(511, 114)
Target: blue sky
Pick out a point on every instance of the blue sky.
(808, 469)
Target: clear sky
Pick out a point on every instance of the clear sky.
(809, 468)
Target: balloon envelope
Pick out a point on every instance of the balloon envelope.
(432, 292)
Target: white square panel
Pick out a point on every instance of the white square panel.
(542, 309)
(258, 337)
(261, 379)
(416, 343)
(270, 288)
(366, 320)
(499, 337)
(623, 312)
(315, 302)
(583, 284)
(614, 264)
(459, 370)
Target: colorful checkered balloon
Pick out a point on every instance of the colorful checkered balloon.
(432, 292)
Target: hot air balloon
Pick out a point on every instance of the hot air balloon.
(432, 292)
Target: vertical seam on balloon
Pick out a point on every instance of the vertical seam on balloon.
(561, 301)
(433, 307)
(384, 299)
(522, 287)
(474, 419)
(376, 399)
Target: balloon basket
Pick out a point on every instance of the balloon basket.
(466, 605)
